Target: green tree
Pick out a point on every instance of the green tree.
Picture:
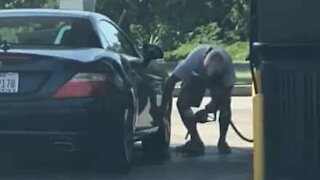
(4, 4)
(206, 34)
(235, 24)
(171, 23)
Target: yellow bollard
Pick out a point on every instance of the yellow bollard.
(258, 150)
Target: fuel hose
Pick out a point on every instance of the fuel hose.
(240, 134)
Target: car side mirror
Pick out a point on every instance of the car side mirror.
(151, 52)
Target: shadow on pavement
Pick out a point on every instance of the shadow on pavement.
(236, 166)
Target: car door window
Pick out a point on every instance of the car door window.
(115, 40)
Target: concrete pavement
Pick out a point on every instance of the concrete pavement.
(242, 117)
(213, 166)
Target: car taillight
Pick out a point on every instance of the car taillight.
(83, 85)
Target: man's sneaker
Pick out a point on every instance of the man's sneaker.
(192, 148)
(224, 148)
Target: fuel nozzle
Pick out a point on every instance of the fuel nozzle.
(202, 116)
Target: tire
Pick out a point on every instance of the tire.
(156, 145)
(116, 154)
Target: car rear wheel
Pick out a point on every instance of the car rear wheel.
(116, 155)
(156, 145)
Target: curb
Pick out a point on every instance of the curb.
(169, 66)
(238, 90)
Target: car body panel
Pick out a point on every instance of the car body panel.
(83, 55)
(50, 13)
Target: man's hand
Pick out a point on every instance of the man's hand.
(158, 114)
(201, 116)
(157, 111)
(212, 107)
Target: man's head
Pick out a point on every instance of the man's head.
(214, 63)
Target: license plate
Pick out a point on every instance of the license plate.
(9, 82)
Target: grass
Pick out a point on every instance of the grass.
(243, 78)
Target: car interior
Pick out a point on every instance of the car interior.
(80, 36)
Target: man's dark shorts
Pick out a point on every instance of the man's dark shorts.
(193, 90)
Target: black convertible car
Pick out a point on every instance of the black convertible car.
(73, 82)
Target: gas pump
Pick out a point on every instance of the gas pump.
(285, 63)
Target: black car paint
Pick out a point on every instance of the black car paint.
(133, 76)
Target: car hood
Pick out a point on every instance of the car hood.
(82, 55)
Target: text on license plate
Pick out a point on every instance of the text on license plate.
(9, 82)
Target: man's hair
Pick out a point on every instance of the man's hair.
(215, 58)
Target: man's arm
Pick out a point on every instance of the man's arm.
(181, 72)
(168, 89)
(219, 97)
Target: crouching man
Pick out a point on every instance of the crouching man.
(206, 67)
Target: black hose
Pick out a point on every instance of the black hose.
(234, 128)
(254, 79)
(239, 133)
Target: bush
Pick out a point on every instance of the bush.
(210, 34)
(206, 34)
(180, 53)
(160, 34)
(238, 50)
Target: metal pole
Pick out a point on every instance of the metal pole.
(123, 14)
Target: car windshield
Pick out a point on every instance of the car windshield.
(59, 32)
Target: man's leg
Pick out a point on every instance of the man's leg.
(195, 146)
(221, 100)
(191, 95)
(188, 118)
(224, 121)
